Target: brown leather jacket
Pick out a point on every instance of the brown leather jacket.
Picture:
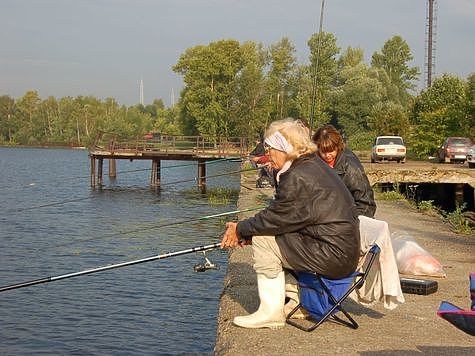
(314, 219)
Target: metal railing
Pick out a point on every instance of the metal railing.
(222, 146)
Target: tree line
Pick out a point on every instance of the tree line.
(237, 89)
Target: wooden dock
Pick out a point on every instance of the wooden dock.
(456, 182)
(164, 147)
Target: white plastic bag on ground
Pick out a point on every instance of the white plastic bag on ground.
(412, 259)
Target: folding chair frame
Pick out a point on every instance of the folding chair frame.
(359, 278)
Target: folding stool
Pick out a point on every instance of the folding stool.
(323, 297)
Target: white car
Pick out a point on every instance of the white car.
(388, 148)
(471, 157)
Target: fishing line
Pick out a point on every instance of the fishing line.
(178, 222)
(48, 205)
(90, 197)
(210, 176)
(108, 267)
(135, 170)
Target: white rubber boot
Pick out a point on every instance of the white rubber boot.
(271, 309)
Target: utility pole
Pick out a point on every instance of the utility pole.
(431, 25)
(315, 70)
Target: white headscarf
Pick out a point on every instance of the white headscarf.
(278, 142)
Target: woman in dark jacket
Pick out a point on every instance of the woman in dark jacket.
(332, 150)
(311, 225)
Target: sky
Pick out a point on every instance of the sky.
(104, 48)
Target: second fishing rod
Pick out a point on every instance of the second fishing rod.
(167, 224)
(66, 201)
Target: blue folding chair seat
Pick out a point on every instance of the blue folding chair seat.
(322, 297)
(461, 319)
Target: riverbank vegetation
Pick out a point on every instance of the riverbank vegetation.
(237, 89)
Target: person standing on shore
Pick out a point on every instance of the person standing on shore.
(332, 150)
(311, 225)
(259, 159)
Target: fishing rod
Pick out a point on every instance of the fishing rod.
(178, 222)
(197, 268)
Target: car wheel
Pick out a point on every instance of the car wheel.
(471, 165)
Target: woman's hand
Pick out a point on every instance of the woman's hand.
(230, 237)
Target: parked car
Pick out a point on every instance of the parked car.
(454, 149)
(389, 148)
(471, 157)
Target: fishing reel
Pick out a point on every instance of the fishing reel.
(206, 265)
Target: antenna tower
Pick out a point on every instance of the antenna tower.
(431, 27)
(141, 92)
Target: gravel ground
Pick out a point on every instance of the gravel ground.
(413, 328)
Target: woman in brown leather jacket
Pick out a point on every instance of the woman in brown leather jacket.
(311, 225)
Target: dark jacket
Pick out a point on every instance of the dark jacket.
(351, 171)
(259, 150)
(314, 219)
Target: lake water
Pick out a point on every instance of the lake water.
(52, 223)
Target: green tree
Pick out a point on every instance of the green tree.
(323, 68)
(208, 73)
(428, 134)
(49, 114)
(26, 115)
(280, 77)
(470, 123)
(68, 120)
(353, 103)
(248, 112)
(394, 58)
(7, 123)
(350, 57)
(302, 98)
(389, 118)
(439, 111)
(166, 121)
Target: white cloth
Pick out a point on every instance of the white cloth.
(382, 283)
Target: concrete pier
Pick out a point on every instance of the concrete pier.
(413, 328)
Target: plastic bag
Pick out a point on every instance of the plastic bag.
(412, 259)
